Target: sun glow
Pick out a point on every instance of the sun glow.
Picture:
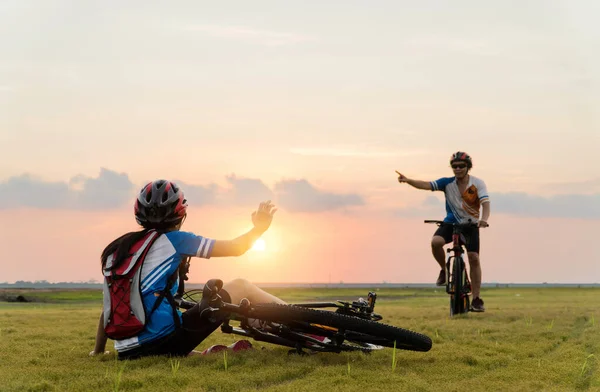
(259, 245)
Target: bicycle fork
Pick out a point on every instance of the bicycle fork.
(451, 279)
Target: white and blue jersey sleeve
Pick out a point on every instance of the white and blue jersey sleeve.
(442, 183)
(189, 244)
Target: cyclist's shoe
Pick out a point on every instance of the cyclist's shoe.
(235, 347)
(441, 280)
(240, 345)
(214, 349)
(477, 305)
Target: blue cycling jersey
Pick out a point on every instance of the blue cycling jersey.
(162, 262)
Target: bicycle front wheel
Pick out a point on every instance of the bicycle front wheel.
(459, 300)
(352, 328)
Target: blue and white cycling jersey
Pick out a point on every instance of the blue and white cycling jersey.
(460, 207)
(161, 262)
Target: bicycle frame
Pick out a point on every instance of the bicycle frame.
(286, 335)
(457, 283)
(353, 326)
(361, 308)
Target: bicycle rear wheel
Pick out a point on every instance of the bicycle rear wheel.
(340, 326)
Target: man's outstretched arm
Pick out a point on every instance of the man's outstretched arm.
(425, 185)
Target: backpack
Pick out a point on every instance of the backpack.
(124, 312)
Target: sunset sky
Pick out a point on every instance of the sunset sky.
(312, 104)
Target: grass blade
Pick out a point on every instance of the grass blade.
(348, 356)
(585, 364)
(394, 358)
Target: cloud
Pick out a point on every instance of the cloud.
(110, 189)
(250, 35)
(242, 191)
(559, 206)
(521, 204)
(352, 152)
(292, 195)
(198, 194)
(28, 191)
(588, 186)
(430, 208)
(442, 42)
(248, 190)
(301, 196)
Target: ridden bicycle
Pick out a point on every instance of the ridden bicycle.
(458, 285)
(353, 326)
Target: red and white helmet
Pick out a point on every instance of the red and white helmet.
(160, 205)
(461, 156)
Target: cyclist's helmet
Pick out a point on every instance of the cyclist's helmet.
(160, 205)
(461, 156)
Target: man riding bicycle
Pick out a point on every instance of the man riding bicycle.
(465, 194)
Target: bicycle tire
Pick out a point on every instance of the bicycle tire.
(465, 290)
(281, 339)
(456, 300)
(383, 334)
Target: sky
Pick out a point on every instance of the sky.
(311, 104)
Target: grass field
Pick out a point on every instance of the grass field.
(530, 339)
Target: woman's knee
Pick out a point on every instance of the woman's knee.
(239, 283)
(237, 289)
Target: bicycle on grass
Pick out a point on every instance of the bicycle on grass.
(353, 326)
(458, 285)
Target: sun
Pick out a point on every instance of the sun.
(259, 245)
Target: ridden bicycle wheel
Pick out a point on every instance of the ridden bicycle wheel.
(459, 299)
(466, 290)
(353, 329)
(456, 299)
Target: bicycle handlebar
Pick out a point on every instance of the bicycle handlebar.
(441, 223)
(470, 224)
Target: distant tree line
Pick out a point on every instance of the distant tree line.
(44, 284)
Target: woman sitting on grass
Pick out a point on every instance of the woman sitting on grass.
(161, 206)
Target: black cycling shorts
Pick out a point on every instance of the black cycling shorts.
(471, 236)
(184, 339)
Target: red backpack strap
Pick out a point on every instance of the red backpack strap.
(138, 250)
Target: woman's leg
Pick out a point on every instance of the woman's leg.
(241, 288)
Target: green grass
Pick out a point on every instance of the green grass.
(529, 339)
(53, 295)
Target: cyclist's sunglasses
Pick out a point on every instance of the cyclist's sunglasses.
(459, 166)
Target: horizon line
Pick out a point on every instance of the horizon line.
(320, 284)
